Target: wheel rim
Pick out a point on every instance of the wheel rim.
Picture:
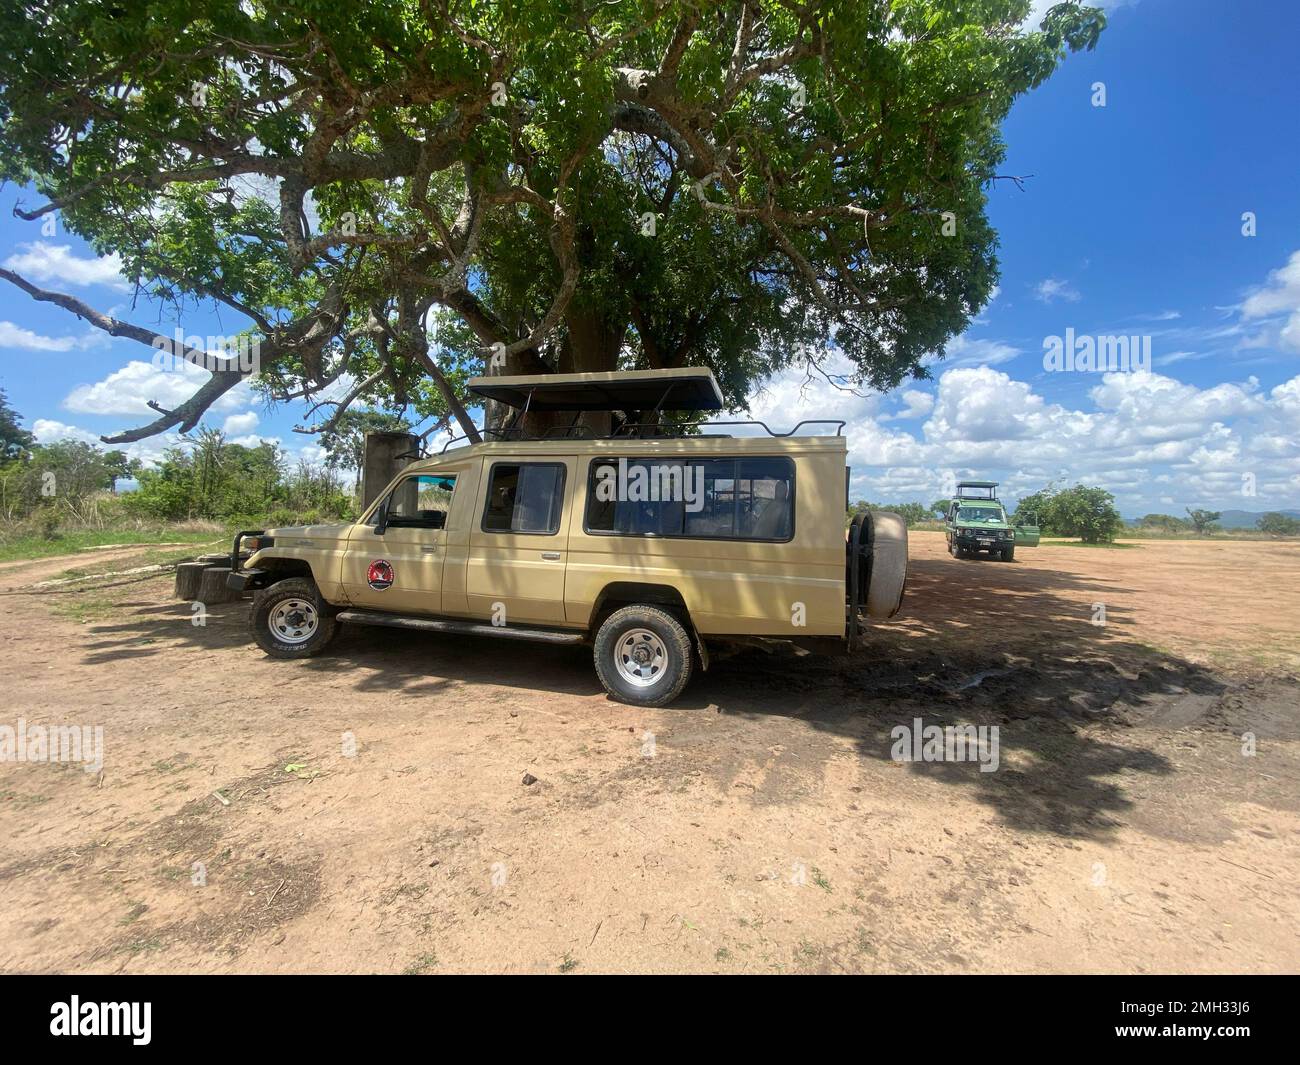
(640, 657)
(294, 621)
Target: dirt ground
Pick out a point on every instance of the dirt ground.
(366, 811)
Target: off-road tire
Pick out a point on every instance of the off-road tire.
(1008, 554)
(673, 642)
(267, 626)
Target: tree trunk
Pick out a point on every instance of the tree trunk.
(591, 345)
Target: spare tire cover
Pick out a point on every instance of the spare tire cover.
(888, 565)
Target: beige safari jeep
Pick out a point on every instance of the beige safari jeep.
(651, 546)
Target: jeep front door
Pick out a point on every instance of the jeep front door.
(518, 547)
(395, 560)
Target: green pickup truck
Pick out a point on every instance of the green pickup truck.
(976, 521)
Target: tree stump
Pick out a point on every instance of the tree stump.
(189, 577)
(212, 587)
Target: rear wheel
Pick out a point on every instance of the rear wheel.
(643, 656)
(290, 620)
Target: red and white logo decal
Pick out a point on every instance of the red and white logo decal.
(380, 574)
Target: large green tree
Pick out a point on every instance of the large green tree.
(14, 439)
(1204, 522)
(1087, 512)
(543, 185)
(1278, 524)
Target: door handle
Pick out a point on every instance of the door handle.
(551, 556)
(429, 550)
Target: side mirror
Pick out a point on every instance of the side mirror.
(381, 518)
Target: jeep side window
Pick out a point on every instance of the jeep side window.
(764, 499)
(525, 498)
(419, 502)
(731, 499)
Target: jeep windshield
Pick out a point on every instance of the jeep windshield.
(981, 515)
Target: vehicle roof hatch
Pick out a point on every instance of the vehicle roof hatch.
(974, 490)
(689, 388)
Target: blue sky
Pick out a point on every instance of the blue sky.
(1131, 224)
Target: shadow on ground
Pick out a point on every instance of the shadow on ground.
(983, 643)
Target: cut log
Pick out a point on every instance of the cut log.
(212, 586)
(189, 577)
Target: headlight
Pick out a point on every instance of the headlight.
(1009, 534)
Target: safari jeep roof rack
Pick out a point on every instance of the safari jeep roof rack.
(644, 392)
(982, 490)
(690, 388)
(641, 431)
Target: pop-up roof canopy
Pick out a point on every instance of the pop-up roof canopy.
(692, 388)
(980, 489)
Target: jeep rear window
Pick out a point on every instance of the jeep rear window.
(525, 498)
(717, 499)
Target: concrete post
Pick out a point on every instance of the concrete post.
(386, 455)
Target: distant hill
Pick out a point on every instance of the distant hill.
(1233, 519)
(1245, 519)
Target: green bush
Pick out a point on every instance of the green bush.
(913, 514)
(1086, 512)
(216, 480)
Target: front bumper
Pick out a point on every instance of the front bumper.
(246, 580)
(984, 543)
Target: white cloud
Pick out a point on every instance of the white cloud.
(1153, 407)
(128, 390)
(916, 404)
(57, 264)
(1145, 437)
(979, 404)
(793, 397)
(1181, 356)
(963, 351)
(48, 431)
(150, 451)
(241, 424)
(313, 454)
(1039, 8)
(1053, 288)
(254, 440)
(15, 336)
(1278, 298)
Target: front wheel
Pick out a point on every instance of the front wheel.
(1008, 554)
(290, 620)
(643, 656)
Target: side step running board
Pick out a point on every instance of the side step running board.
(472, 628)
